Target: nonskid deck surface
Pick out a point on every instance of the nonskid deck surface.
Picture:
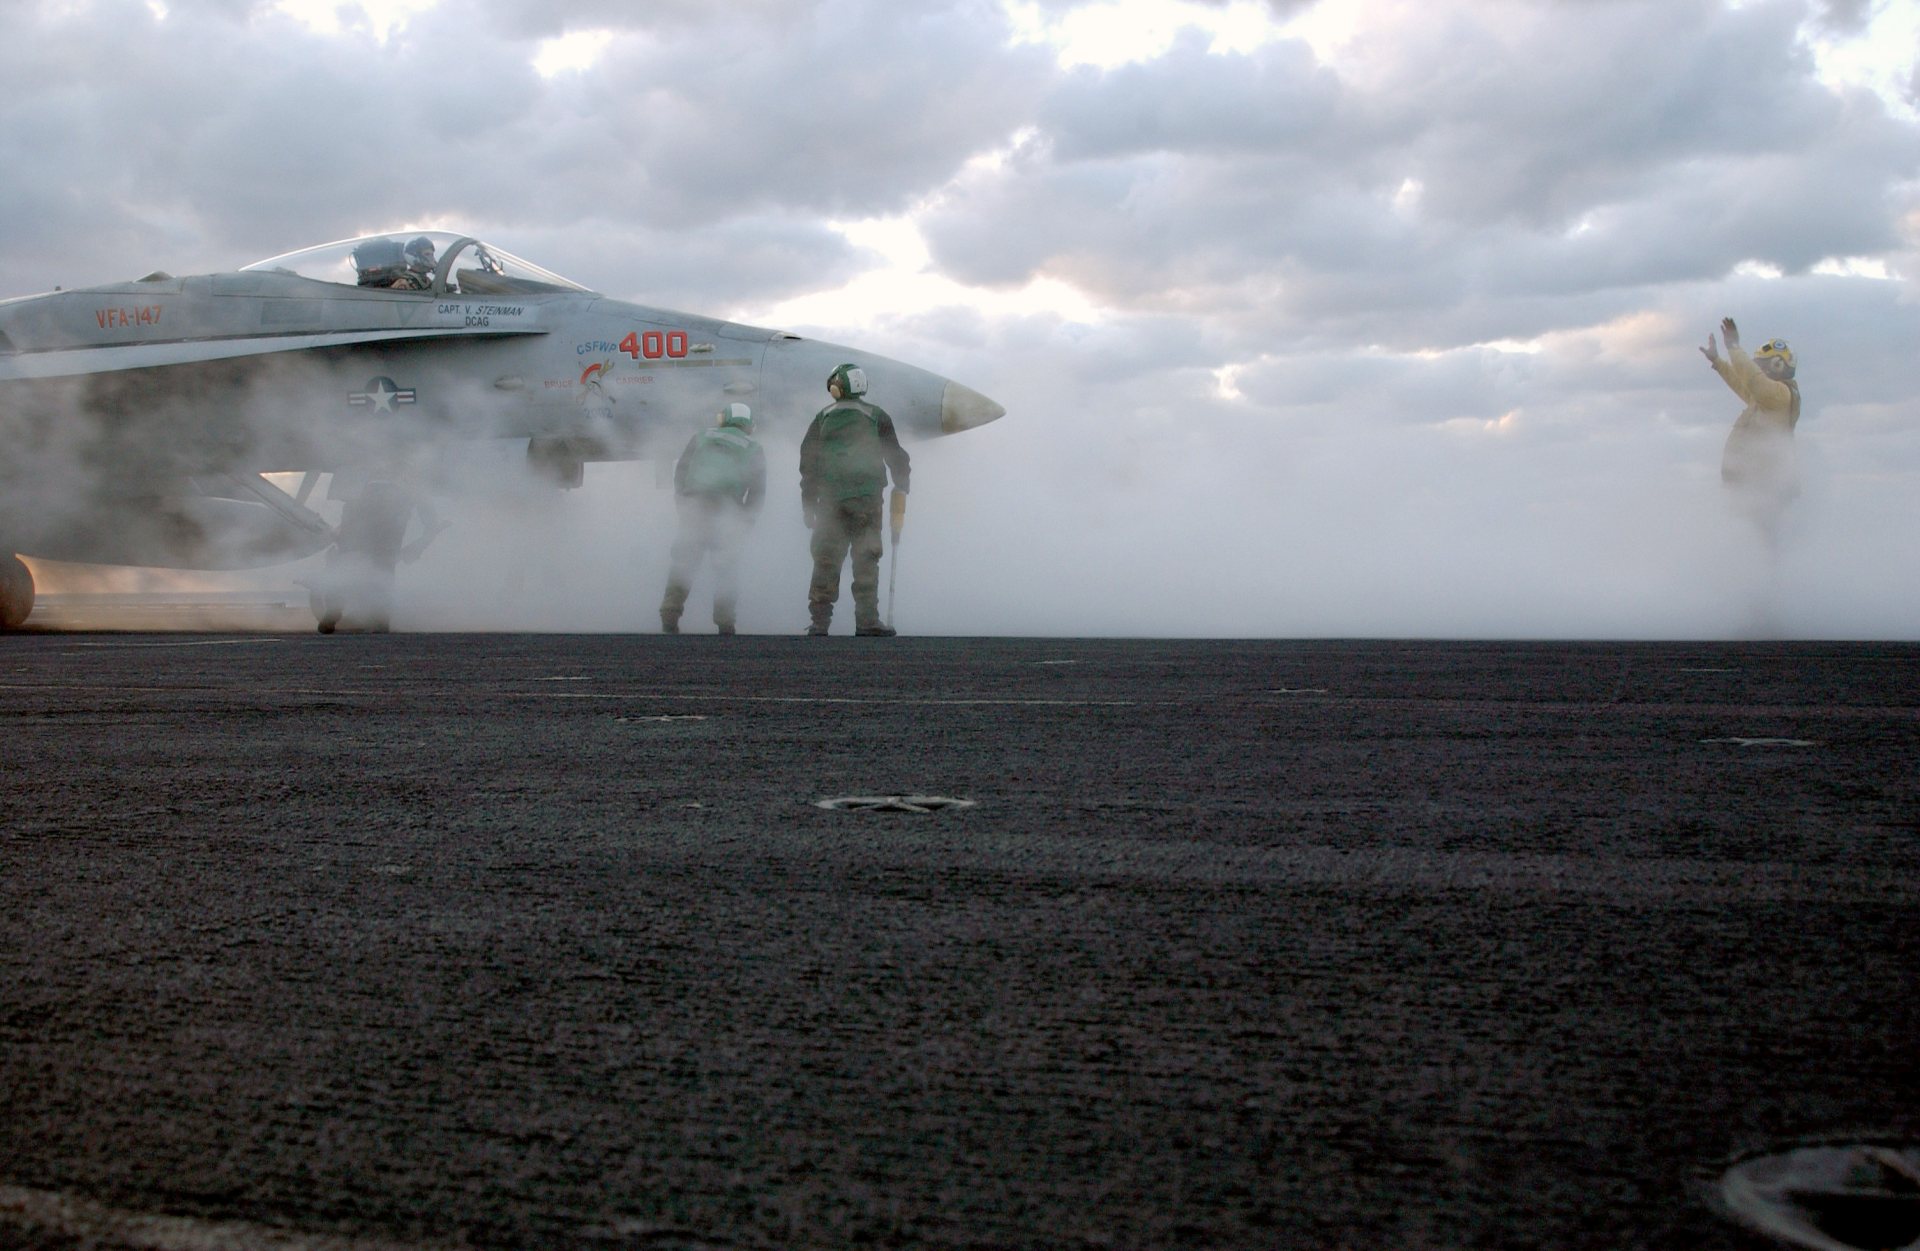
(613, 941)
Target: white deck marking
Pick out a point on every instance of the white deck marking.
(65, 1216)
(185, 643)
(712, 697)
(1763, 742)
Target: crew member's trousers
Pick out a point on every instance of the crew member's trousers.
(840, 527)
(710, 526)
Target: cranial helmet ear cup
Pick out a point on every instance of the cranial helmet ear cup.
(852, 380)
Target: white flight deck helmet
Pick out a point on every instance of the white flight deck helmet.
(737, 415)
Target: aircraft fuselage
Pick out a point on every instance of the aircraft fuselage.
(118, 396)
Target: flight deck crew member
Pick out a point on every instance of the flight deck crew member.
(718, 485)
(845, 459)
(1758, 462)
(376, 510)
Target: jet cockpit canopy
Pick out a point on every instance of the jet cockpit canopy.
(422, 260)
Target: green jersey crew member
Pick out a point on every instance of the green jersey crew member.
(718, 485)
(845, 459)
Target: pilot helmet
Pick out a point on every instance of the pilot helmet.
(852, 380)
(375, 254)
(420, 252)
(737, 415)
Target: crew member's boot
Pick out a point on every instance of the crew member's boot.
(867, 623)
(674, 601)
(822, 618)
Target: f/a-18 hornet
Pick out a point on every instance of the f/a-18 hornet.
(138, 420)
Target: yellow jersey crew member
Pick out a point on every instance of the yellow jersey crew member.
(845, 460)
(718, 485)
(1758, 463)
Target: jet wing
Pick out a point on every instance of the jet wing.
(72, 362)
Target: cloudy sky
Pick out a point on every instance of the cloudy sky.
(1356, 318)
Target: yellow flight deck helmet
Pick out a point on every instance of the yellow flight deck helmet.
(1776, 349)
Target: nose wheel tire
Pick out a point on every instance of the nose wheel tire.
(16, 593)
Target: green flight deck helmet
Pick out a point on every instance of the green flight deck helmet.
(852, 380)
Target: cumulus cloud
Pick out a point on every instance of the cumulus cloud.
(1682, 141)
(303, 135)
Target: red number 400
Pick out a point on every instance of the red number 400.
(653, 344)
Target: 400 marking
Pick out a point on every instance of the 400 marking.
(654, 344)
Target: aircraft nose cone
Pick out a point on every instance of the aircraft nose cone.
(963, 408)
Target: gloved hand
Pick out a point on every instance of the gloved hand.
(809, 514)
(897, 511)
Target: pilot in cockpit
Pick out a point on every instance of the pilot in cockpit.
(418, 274)
(384, 263)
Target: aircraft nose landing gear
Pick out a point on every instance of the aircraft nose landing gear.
(356, 592)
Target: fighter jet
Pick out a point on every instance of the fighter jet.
(139, 420)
